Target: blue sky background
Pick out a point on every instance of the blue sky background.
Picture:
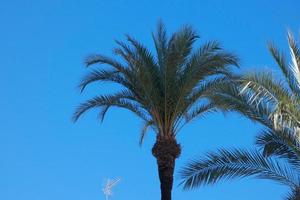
(44, 156)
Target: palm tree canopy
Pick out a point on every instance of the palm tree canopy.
(271, 101)
(164, 89)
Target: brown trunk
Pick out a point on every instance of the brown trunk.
(296, 195)
(166, 151)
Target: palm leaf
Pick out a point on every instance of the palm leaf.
(144, 130)
(106, 101)
(229, 164)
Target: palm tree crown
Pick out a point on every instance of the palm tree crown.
(164, 89)
(273, 102)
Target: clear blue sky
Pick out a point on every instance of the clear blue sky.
(43, 156)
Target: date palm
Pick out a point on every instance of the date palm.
(164, 90)
(271, 101)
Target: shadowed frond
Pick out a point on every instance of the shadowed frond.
(293, 195)
(283, 144)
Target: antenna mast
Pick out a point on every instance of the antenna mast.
(108, 187)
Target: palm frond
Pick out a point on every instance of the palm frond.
(229, 164)
(199, 111)
(160, 41)
(119, 100)
(144, 130)
(208, 60)
(295, 59)
(195, 78)
(264, 87)
(100, 75)
(101, 59)
(146, 70)
(226, 96)
(179, 48)
(281, 61)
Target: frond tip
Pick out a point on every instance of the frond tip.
(145, 128)
(106, 101)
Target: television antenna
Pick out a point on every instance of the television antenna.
(108, 187)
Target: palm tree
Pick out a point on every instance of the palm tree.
(273, 102)
(164, 90)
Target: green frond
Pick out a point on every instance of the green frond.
(160, 41)
(178, 51)
(201, 92)
(179, 48)
(145, 128)
(295, 60)
(98, 75)
(291, 71)
(126, 52)
(227, 97)
(264, 89)
(196, 78)
(106, 101)
(208, 60)
(209, 47)
(206, 88)
(281, 61)
(230, 164)
(264, 86)
(101, 59)
(147, 72)
(199, 111)
(143, 55)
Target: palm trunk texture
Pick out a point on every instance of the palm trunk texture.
(166, 151)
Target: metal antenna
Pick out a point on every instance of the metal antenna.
(108, 187)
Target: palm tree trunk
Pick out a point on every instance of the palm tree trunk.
(166, 150)
(295, 194)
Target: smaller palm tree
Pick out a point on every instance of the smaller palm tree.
(273, 102)
(163, 88)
